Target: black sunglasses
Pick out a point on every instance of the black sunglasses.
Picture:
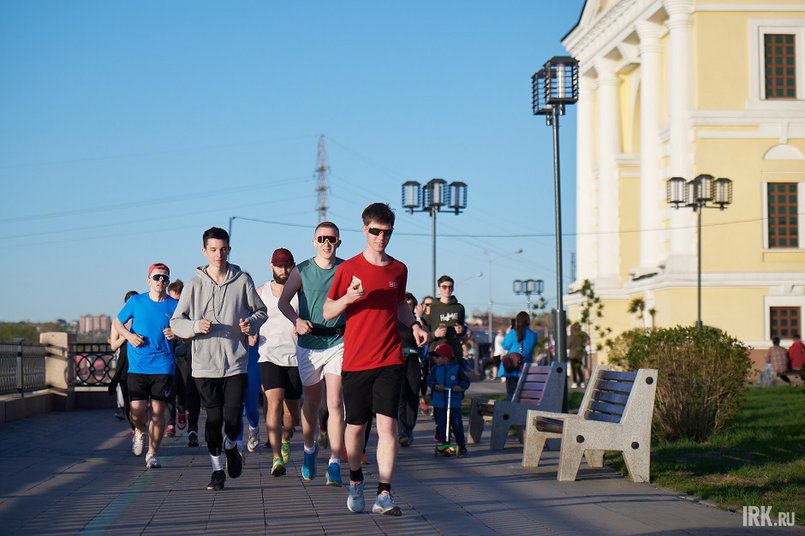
(161, 277)
(332, 240)
(376, 232)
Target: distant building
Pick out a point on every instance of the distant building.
(94, 324)
(681, 88)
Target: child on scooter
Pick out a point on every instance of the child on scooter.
(445, 376)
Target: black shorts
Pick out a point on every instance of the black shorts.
(150, 386)
(274, 376)
(372, 391)
(222, 392)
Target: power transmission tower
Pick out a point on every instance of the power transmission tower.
(322, 170)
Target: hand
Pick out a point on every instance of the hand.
(303, 327)
(419, 310)
(244, 326)
(204, 326)
(135, 340)
(457, 388)
(354, 293)
(439, 387)
(440, 332)
(169, 334)
(420, 335)
(459, 328)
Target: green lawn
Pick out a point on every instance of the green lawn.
(758, 460)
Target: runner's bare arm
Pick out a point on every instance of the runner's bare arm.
(291, 288)
(333, 308)
(133, 338)
(406, 316)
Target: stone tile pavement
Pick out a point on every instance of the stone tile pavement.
(73, 473)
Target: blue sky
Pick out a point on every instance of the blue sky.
(127, 128)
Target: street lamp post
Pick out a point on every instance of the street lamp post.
(697, 194)
(528, 287)
(489, 259)
(553, 87)
(435, 196)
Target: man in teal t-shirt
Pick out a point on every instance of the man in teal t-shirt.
(150, 357)
(320, 348)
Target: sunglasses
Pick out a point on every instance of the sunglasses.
(428, 304)
(332, 240)
(376, 231)
(161, 277)
(445, 286)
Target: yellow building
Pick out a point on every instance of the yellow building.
(681, 88)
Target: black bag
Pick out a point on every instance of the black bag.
(512, 362)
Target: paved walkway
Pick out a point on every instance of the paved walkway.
(72, 473)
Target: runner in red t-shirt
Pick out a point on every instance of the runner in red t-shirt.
(370, 289)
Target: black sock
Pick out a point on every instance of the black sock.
(356, 476)
(382, 486)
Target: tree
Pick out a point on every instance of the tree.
(591, 315)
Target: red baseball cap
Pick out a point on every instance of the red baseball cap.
(444, 350)
(158, 266)
(282, 257)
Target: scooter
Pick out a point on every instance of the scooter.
(447, 448)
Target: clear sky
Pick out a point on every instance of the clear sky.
(128, 128)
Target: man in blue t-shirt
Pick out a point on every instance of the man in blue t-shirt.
(151, 363)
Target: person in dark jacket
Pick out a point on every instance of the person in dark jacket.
(412, 375)
(447, 375)
(446, 318)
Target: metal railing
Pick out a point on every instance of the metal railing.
(22, 367)
(94, 364)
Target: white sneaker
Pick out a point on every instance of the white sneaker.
(254, 439)
(138, 443)
(152, 462)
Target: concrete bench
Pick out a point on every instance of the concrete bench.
(538, 388)
(615, 414)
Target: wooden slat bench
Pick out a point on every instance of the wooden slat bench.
(615, 414)
(538, 388)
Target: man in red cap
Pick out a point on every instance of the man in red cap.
(279, 369)
(150, 357)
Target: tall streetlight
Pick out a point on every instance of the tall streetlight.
(528, 287)
(489, 260)
(697, 194)
(435, 196)
(553, 87)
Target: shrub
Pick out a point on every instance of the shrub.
(701, 374)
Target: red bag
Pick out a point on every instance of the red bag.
(512, 362)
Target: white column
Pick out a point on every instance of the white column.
(651, 180)
(586, 190)
(680, 99)
(608, 148)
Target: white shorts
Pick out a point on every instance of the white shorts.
(314, 364)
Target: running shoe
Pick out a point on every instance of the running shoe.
(384, 504)
(322, 440)
(192, 439)
(217, 481)
(170, 431)
(355, 502)
(334, 475)
(462, 451)
(309, 464)
(278, 467)
(138, 443)
(181, 420)
(119, 414)
(152, 462)
(234, 462)
(285, 450)
(404, 440)
(254, 439)
(423, 406)
(364, 459)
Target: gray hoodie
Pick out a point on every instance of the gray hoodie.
(224, 350)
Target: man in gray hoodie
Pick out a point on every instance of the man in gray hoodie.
(218, 310)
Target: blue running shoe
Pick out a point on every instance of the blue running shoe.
(309, 464)
(385, 505)
(334, 475)
(355, 502)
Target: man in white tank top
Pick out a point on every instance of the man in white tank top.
(279, 370)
